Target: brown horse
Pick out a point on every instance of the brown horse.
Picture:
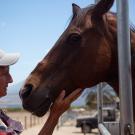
(84, 55)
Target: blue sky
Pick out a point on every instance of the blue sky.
(31, 27)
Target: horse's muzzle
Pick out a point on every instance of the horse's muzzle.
(36, 101)
(26, 91)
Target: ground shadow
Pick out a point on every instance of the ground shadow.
(93, 133)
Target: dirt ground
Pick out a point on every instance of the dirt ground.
(32, 125)
(27, 119)
(65, 130)
(72, 130)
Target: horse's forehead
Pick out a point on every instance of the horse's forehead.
(81, 22)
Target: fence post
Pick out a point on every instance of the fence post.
(37, 120)
(100, 103)
(25, 122)
(34, 120)
(124, 57)
(30, 120)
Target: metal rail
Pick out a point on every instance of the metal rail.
(124, 58)
(103, 130)
(100, 103)
(125, 79)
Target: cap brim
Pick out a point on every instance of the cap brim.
(9, 59)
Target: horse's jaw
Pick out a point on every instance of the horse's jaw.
(40, 110)
(38, 103)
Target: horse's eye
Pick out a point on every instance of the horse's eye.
(74, 38)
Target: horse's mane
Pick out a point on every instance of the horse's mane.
(132, 26)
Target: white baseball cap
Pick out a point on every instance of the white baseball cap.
(7, 59)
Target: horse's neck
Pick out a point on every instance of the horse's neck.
(112, 41)
(133, 44)
(112, 25)
(114, 82)
(112, 22)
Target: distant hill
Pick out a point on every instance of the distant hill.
(81, 100)
(15, 88)
(13, 100)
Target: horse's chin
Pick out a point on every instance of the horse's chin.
(39, 110)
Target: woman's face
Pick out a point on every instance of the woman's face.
(5, 79)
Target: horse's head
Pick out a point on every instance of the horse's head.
(80, 58)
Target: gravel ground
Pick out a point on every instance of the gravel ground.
(33, 128)
(65, 130)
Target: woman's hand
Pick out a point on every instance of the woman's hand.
(61, 104)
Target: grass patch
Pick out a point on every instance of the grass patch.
(14, 109)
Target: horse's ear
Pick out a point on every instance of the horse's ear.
(101, 8)
(76, 8)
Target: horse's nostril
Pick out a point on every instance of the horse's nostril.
(26, 90)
